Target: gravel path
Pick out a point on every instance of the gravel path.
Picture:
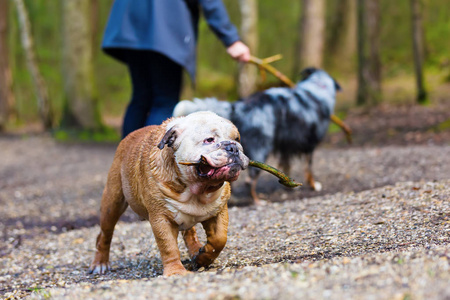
(380, 229)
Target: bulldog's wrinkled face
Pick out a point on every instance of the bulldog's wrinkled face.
(207, 150)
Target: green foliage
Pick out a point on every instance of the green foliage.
(396, 49)
(400, 260)
(423, 99)
(443, 126)
(407, 296)
(41, 292)
(106, 134)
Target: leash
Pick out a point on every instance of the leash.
(264, 65)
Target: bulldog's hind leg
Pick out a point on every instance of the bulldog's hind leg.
(315, 185)
(216, 235)
(112, 207)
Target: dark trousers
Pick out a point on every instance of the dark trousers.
(156, 82)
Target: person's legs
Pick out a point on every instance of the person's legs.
(156, 82)
(139, 67)
(166, 87)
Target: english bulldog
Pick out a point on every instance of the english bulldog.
(174, 175)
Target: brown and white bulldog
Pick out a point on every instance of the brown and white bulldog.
(174, 187)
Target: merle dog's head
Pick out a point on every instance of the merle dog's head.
(307, 73)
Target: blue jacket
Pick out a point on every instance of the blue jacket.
(169, 27)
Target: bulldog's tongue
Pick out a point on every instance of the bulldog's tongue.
(206, 170)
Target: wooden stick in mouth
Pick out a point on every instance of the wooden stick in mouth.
(283, 178)
(202, 160)
(263, 64)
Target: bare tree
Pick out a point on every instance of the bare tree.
(95, 25)
(40, 86)
(81, 109)
(6, 94)
(418, 47)
(369, 64)
(249, 33)
(312, 34)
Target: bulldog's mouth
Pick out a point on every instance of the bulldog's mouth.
(205, 169)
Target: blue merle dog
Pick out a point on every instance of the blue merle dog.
(286, 122)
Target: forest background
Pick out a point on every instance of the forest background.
(279, 31)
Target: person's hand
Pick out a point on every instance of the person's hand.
(239, 51)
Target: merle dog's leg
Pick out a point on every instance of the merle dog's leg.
(258, 153)
(315, 185)
(285, 164)
(251, 183)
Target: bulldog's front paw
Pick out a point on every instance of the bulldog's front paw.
(100, 264)
(174, 269)
(202, 259)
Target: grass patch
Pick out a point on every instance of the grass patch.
(41, 292)
(443, 126)
(106, 134)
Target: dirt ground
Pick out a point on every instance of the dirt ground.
(379, 229)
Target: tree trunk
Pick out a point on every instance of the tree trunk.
(81, 109)
(418, 48)
(6, 94)
(342, 40)
(38, 81)
(374, 29)
(369, 65)
(95, 26)
(249, 33)
(312, 34)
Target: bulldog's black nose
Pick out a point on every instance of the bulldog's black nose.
(230, 147)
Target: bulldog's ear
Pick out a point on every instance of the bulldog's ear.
(169, 138)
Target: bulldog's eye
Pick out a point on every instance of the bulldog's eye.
(238, 139)
(208, 140)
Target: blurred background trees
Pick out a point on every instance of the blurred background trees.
(418, 43)
(378, 50)
(340, 48)
(80, 108)
(6, 94)
(369, 64)
(39, 85)
(247, 78)
(312, 34)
